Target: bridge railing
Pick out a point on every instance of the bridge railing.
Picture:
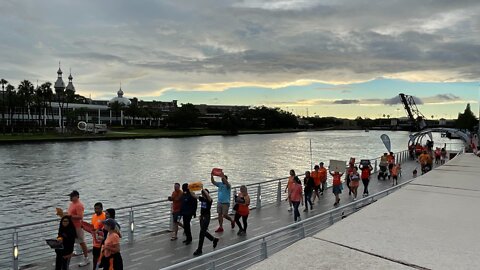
(24, 244)
(256, 249)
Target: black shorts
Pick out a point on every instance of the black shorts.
(176, 217)
(394, 177)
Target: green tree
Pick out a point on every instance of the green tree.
(466, 120)
(3, 82)
(48, 97)
(11, 97)
(133, 110)
(25, 93)
(184, 117)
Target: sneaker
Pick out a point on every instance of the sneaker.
(321, 193)
(233, 224)
(239, 232)
(197, 253)
(215, 242)
(305, 210)
(85, 262)
(219, 230)
(290, 209)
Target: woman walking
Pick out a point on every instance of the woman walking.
(354, 182)
(288, 188)
(337, 186)
(296, 197)
(309, 186)
(111, 249)
(66, 235)
(243, 201)
(205, 206)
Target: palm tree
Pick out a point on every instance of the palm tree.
(3, 82)
(48, 96)
(11, 98)
(25, 91)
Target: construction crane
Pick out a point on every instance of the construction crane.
(415, 116)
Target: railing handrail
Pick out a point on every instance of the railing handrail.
(293, 225)
(14, 227)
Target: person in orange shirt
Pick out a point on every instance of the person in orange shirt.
(337, 186)
(395, 171)
(111, 248)
(296, 197)
(289, 187)
(317, 180)
(75, 210)
(97, 234)
(176, 199)
(323, 178)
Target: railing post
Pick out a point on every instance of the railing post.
(279, 192)
(15, 250)
(171, 220)
(375, 168)
(131, 226)
(331, 218)
(302, 232)
(259, 197)
(212, 265)
(264, 249)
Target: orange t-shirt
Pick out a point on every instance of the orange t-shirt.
(177, 201)
(243, 209)
(112, 240)
(337, 179)
(323, 174)
(290, 183)
(296, 193)
(97, 225)
(76, 209)
(317, 177)
(394, 171)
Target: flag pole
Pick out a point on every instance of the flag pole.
(311, 160)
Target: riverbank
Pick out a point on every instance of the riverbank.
(121, 134)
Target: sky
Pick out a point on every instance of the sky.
(344, 58)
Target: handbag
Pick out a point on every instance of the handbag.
(235, 207)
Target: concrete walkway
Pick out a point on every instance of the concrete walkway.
(156, 251)
(431, 223)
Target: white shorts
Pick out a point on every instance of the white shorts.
(80, 236)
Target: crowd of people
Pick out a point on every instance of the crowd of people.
(106, 231)
(105, 234)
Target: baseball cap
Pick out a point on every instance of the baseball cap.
(109, 222)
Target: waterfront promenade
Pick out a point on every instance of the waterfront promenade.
(157, 251)
(431, 223)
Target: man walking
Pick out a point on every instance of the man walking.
(224, 193)
(75, 210)
(189, 210)
(206, 204)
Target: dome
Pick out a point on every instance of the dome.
(59, 83)
(120, 99)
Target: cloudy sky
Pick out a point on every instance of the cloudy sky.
(345, 58)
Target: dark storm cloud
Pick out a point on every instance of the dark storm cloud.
(396, 100)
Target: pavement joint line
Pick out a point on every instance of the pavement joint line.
(444, 193)
(138, 252)
(141, 258)
(163, 257)
(456, 188)
(375, 255)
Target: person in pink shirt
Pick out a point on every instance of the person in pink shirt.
(75, 210)
(296, 197)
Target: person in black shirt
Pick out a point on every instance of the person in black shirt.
(189, 210)
(206, 205)
(309, 185)
(66, 235)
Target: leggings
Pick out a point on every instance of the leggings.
(308, 199)
(244, 219)
(296, 213)
(365, 185)
(204, 222)
(61, 263)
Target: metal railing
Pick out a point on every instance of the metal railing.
(251, 251)
(21, 245)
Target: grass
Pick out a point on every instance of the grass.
(121, 133)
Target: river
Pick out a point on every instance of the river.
(36, 178)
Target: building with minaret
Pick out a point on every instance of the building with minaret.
(59, 84)
(70, 86)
